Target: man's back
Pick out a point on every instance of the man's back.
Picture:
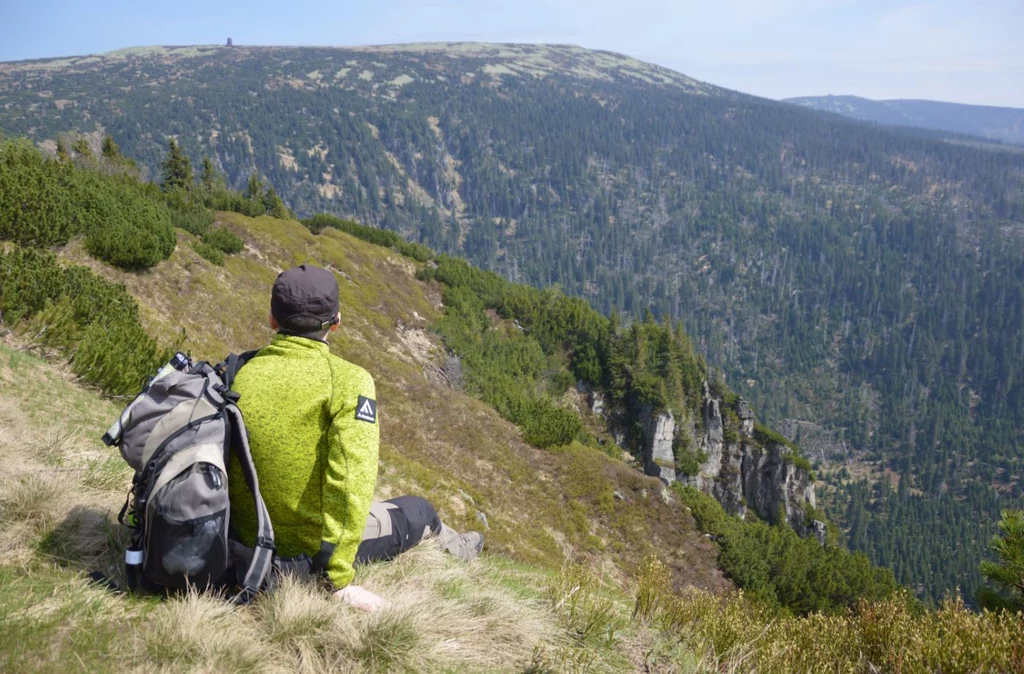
(311, 418)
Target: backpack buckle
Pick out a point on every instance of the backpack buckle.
(226, 393)
(245, 596)
(264, 542)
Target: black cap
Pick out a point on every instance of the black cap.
(304, 299)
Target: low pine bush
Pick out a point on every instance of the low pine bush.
(209, 253)
(188, 214)
(94, 322)
(787, 574)
(380, 237)
(44, 202)
(223, 240)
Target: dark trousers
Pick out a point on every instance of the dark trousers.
(410, 518)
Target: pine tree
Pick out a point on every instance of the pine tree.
(1007, 574)
(110, 149)
(62, 152)
(254, 190)
(177, 168)
(209, 179)
(275, 207)
(81, 148)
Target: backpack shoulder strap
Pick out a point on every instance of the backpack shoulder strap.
(263, 554)
(234, 362)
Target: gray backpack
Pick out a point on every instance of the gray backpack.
(177, 435)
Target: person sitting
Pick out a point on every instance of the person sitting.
(314, 434)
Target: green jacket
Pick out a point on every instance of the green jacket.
(313, 430)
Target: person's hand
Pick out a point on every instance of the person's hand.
(362, 599)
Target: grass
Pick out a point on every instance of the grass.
(59, 494)
(494, 614)
(56, 523)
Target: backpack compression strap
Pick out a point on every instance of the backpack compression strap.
(233, 364)
(263, 554)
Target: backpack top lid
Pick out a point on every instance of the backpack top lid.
(169, 406)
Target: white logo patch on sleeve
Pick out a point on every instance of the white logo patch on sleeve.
(366, 410)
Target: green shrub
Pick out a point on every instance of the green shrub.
(730, 425)
(505, 368)
(785, 572)
(36, 208)
(224, 240)
(546, 425)
(94, 322)
(801, 462)
(690, 461)
(380, 237)
(766, 436)
(220, 199)
(209, 253)
(44, 202)
(189, 214)
(133, 231)
(416, 251)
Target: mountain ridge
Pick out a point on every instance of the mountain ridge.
(530, 59)
(998, 123)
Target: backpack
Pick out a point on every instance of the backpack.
(178, 434)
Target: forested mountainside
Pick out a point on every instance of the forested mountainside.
(986, 121)
(91, 267)
(862, 287)
(100, 273)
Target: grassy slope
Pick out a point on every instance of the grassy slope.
(60, 489)
(59, 492)
(442, 444)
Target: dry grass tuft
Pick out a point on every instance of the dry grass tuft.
(299, 627)
(204, 632)
(28, 498)
(732, 634)
(462, 612)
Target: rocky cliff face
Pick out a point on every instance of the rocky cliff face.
(743, 472)
(659, 458)
(739, 471)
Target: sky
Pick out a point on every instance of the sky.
(965, 51)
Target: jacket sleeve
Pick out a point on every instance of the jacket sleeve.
(350, 474)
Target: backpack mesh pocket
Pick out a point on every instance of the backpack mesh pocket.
(187, 534)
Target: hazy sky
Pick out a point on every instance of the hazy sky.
(969, 51)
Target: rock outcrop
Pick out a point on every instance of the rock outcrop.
(741, 470)
(773, 485)
(742, 474)
(659, 434)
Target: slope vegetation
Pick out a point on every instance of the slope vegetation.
(60, 488)
(59, 492)
(518, 349)
(590, 566)
(436, 441)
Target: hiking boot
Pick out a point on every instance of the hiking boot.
(464, 546)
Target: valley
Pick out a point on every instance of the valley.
(860, 286)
